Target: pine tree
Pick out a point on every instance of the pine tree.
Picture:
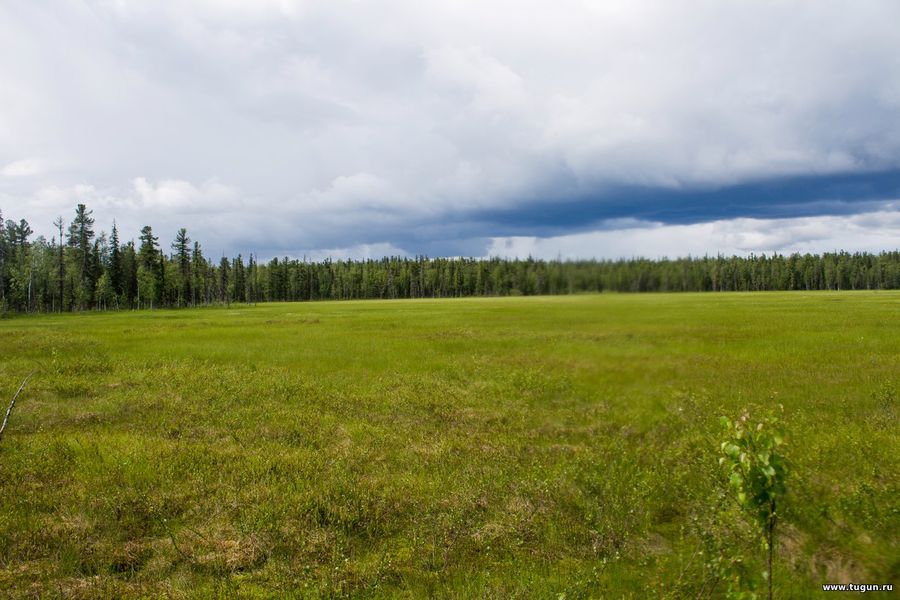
(59, 223)
(149, 248)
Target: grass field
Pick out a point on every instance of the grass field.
(559, 447)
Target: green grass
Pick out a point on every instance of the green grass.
(519, 447)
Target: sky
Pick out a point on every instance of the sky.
(355, 129)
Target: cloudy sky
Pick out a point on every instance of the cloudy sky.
(574, 128)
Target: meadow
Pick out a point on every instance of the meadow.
(539, 447)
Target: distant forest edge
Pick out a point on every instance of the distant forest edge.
(80, 271)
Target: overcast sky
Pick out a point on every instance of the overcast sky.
(574, 128)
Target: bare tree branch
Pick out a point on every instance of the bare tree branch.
(13, 403)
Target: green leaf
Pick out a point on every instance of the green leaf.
(731, 450)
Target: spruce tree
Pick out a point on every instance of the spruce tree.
(238, 279)
(181, 247)
(129, 273)
(198, 275)
(224, 279)
(81, 235)
(152, 266)
(3, 253)
(115, 261)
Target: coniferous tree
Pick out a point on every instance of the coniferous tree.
(198, 276)
(149, 248)
(115, 262)
(3, 259)
(129, 274)
(17, 266)
(224, 280)
(181, 247)
(81, 235)
(61, 262)
(238, 279)
(151, 284)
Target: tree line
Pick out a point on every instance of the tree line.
(82, 270)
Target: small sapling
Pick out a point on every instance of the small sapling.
(752, 453)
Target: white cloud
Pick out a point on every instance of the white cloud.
(357, 252)
(23, 168)
(360, 190)
(485, 83)
(872, 231)
(183, 198)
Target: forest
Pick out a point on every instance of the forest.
(79, 269)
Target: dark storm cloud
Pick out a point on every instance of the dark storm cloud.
(782, 197)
